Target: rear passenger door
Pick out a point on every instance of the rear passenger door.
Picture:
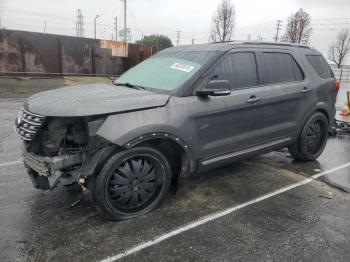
(285, 93)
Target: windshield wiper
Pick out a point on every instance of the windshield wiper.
(130, 85)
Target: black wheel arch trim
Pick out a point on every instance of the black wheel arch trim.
(320, 107)
(161, 135)
(95, 160)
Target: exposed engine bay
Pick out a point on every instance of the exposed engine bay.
(61, 150)
(60, 136)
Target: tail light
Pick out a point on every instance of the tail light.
(337, 84)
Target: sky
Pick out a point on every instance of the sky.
(192, 17)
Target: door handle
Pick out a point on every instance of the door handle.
(253, 99)
(305, 90)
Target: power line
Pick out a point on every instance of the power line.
(339, 18)
(346, 23)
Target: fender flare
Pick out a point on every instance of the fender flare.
(320, 107)
(160, 135)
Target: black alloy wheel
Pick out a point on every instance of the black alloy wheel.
(132, 182)
(135, 182)
(312, 140)
(315, 136)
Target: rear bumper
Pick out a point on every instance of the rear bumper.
(45, 172)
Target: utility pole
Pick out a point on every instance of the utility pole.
(97, 16)
(142, 41)
(178, 37)
(125, 31)
(80, 24)
(116, 28)
(45, 26)
(278, 27)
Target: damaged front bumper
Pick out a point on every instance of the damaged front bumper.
(46, 172)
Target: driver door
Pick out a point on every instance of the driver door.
(232, 123)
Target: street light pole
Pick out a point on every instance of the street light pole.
(97, 16)
(116, 28)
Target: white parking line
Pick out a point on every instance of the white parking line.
(220, 214)
(11, 163)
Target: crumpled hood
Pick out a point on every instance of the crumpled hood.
(92, 99)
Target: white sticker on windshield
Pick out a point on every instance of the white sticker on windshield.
(182, 67)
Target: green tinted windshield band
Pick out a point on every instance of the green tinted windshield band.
(162, 73)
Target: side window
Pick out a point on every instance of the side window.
(298, 74)
(239, 69)
(280, 68)
(320, 65)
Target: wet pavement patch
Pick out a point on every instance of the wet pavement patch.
(296, 226)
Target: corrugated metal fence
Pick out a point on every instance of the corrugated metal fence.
(29, 53)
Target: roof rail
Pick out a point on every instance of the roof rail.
(223, 42)
(264, 43)
(275, 43)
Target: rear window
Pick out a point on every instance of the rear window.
(280, 68)
(320, 65)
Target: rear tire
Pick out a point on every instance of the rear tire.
(132, 183)
(312, 139)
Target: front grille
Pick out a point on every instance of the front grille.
(28, 124)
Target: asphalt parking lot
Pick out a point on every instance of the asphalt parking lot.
(269, 208)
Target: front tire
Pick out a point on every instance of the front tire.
(312, 140)
(132, 183)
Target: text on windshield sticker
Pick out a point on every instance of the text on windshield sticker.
(182, 67)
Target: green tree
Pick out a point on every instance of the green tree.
(158, 42)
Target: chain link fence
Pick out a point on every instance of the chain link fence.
(342, 74)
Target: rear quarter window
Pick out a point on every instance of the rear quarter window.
(320, 65)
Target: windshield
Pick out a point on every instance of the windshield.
(165, 71)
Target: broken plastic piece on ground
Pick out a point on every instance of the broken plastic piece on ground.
(74, 204)
(326, 197)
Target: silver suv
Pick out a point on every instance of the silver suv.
(189, 108)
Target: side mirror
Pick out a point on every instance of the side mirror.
(215, 88)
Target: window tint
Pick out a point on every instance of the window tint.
(239, 69)
(320, 65)
(280, 68)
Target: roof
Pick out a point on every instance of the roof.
(224, 46)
